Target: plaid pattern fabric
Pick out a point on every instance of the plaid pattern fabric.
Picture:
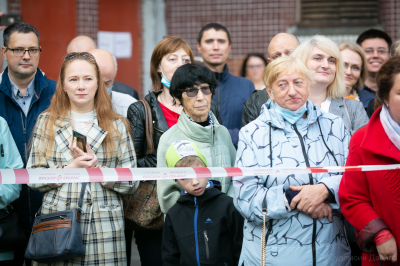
(102, 223)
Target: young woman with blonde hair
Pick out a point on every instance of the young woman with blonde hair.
(355, 68)
(81, 103)
(323, 58)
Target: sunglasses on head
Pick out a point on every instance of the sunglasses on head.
(192, 92)
(85, 54)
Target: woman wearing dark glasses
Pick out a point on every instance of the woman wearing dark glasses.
(192, 87)
(81, 103)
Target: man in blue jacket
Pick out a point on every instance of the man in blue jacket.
(24, 93)
(214, 45)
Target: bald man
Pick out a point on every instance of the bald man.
(81, 44)
(105, 61)
(282, 44)
(84, 44)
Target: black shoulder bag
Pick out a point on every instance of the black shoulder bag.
(57, 236)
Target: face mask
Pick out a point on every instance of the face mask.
(291, 116)
(109, 89)
(164, 80)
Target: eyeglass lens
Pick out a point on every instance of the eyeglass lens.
(192, 92)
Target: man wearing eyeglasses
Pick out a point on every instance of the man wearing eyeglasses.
(376, 44)
(24, 93)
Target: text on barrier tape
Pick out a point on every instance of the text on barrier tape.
(76, 175)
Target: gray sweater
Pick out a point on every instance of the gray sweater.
(357, 114)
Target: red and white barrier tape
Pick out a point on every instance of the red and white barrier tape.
(32, 176)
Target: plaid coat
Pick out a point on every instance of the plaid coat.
(102, 223)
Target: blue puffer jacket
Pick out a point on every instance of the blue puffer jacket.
(291, 238)
(229, 97)
(21, 127)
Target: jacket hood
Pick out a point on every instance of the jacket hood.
(214, 190)
(268, 115)
(194, 130)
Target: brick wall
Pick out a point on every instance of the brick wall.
(87, 18)
(251, 24)
(390, 17)
(14, 7)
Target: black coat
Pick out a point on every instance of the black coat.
(124, 88)
(219, 231)
(136, 117)
(251, 107)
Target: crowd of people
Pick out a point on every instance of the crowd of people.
(313, 104)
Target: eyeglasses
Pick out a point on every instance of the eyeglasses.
(353, 68)
(251, 67)
(20, 52)
(371, 51)
(192, 92)
(85, 54)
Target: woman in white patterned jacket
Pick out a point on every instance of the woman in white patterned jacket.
(303, 218)
(81, 102)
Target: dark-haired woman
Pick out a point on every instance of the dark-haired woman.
(168, 55)
(192, 87)
(370, 201)
(253, 68)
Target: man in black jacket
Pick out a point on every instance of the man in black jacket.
(203, 227)
(282, 44)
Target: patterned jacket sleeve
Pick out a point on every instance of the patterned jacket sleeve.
(36, 158)
(249, 191)
(126, 159)
(333, 182)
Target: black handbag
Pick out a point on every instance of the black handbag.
(11, 233)
(57, 236)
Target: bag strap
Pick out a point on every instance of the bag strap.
(264, 236)
(149, 126)
(81, 197)
(347, 112)
(262, 98)
(80, 201)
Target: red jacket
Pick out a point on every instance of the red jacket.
(370, 201)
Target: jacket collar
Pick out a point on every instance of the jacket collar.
(381, 143)
(210, 193)
(159, 118)
(336, 103)
(224, 75)
(194, 130)
(94, 137)
(269, 116)
(39, 85)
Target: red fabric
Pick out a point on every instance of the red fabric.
(382, 237)
(170, 116)
(365, 196)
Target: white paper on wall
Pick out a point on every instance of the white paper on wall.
(118, 44)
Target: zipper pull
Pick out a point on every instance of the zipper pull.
(205, 235)
(2, 150)
(195, 201)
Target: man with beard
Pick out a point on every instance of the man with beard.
(25, 92)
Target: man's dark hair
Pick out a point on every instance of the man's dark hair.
(372, 34)
(20, 27)
(259, 55)
(214, 26)
(189, 75)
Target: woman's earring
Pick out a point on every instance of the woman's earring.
(387, 106)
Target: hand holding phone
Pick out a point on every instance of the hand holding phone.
(80, 140)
